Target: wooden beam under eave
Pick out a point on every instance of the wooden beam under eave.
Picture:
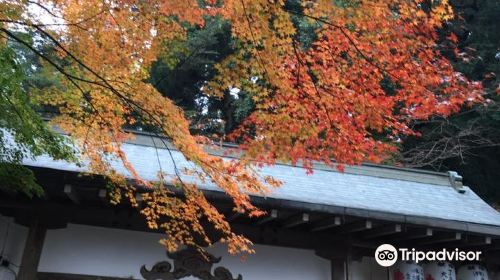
(355, 227)
(475, 241)
(479, 240)
(382, 231)
(416, 234)
(231, 217)
(272, 216)
(492, 247)
(444, 238)
(326, 224)
(138, 200)
(296, 220)
(70, 192)
(103, 196)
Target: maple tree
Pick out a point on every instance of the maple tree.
(324, 100)
(22, 124)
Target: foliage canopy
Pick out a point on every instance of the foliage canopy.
(469, 140)
(24, 133)
(317, 97)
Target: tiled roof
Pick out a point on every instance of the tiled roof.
(410, 195)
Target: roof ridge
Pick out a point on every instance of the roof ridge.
(368, 169)
(147, 139)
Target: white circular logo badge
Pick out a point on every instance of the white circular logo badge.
(386, 255)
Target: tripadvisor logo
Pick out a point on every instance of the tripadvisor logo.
(387, 255)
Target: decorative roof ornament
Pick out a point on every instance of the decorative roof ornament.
(188, 262)
(456, 181)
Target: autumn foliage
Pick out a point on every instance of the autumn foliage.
(373, 68)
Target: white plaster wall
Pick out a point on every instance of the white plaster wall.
(367, 269)
(80, 249)
(12, 240)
